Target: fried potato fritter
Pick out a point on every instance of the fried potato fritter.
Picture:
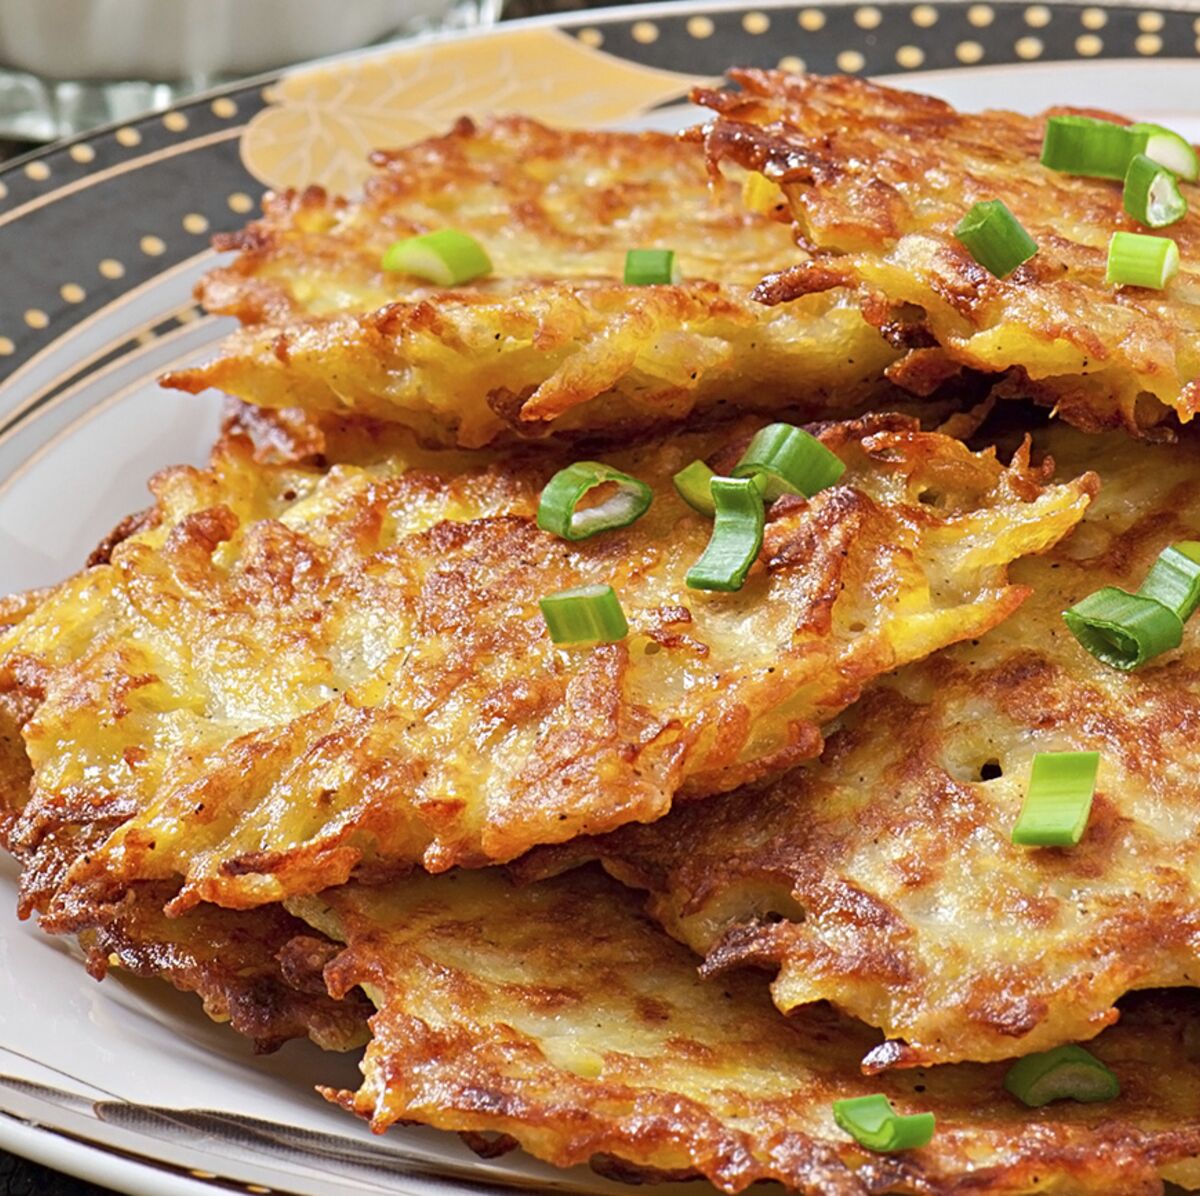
(291, 674)
(259, 970)
(557, 1015)
(554, 328)
(884, 878)
(878, 178)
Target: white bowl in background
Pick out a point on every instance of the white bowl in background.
(179, 39)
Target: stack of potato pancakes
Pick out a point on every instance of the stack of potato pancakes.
(731, 886)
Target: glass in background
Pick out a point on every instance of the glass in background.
(69, 65)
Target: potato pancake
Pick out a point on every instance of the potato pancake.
(258, 970)
(291, 674)
(877, 179)
(885, 880)
(553, 338)
(557, 1015)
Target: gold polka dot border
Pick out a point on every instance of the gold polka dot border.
(850, 62)
(811, 20)
(969, 52)
(72, 292)
(981, 15)
(111, 268)
(1093, 18)
(1148, 43)
(152, 246)
(791, 64)
(128, 137)
(1088, 45)
(36, 318)
(700, 27)
(240, 202)
(175, 122)
(1150, 22)
(591, 37)
(224, 108)
(924, 16)
(7, 348)
(1029, 48)
(39, 172)
(1037, 16)
(756, 22)
(195, 224)
(82, 153)
(910, 57)
(868, 17)
(645, 33)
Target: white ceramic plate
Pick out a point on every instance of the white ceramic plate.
(126, 1083)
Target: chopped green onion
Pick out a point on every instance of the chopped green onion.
(1123, 630)
(584, 615)
(558, 509)
(994, 238)
(1139, 260)
(1174, 579)
(736, 538)
(789, 460)
(1065, 1073)
(872, 1122)
(1168, 149)
(1058, 800)
(446, 257)
(651, 267)
(1083, 145)
(694, 483)
(1152, 195)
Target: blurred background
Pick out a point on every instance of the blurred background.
(70, 65)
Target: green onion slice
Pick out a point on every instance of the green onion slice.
(1083, 145)
(1152, 195)
(789, 460)
(736, 539)
(1174, 579)
(994, 238)
(558, 510)
(446, 257)
(1058, 800)
(872, 1122)
(1139, 260)
(1065, 1073)
(1169, 149)
(1123, 630)
(694, 483)
(584, 615)
(651, 267)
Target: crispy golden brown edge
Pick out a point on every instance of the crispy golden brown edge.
(877, 179)
(553, 341)
(884, 878)
(308, 566)
(259, 970)
(557, 1017)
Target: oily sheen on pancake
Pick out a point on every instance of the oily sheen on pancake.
(884, 878)
(557, 1015)
(291, 674)
(259, 970)
(877, 179)
(553, 339)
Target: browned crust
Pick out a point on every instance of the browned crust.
(585, 754)
(878, 178)
(662, 1077)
